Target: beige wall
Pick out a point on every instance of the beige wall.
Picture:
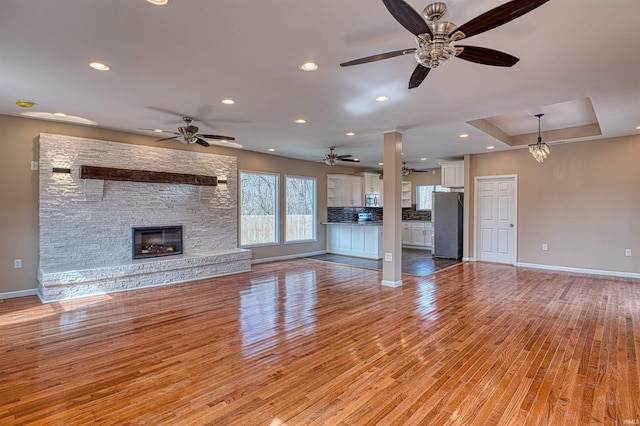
(583, 201)
(19, 191)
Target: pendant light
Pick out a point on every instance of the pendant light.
(539, 150)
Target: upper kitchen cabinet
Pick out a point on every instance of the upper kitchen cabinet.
(344, 191)
(453, 174)
(372, 183)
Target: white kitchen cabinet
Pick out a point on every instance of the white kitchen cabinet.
(344, 191)
(406, 194)
(371, 183)
(453, 174)
(407, 233)
(355, 240)
(416, 233)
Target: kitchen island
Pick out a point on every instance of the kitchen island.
(359, 239)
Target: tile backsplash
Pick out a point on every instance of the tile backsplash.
(345, 214)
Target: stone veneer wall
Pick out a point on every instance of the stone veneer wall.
(85, 225)
(88, 222)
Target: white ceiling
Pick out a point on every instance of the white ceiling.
(181, 59)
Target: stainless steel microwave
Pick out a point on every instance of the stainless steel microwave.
(371, 200)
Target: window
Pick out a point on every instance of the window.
(300, 205)
(258, 208)
(424, 195)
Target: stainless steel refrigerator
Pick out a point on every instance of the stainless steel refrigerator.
(447, 218)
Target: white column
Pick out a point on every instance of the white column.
(392, 210)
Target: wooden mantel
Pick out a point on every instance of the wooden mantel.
(129, 175)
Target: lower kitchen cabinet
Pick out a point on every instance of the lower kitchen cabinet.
(416, 233)
(355, 240)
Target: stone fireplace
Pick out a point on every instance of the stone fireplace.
(156, 241)
(85, 238)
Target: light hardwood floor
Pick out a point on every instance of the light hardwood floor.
(309, 342)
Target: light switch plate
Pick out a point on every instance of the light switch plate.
(388, 257)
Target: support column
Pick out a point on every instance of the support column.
(392, 210)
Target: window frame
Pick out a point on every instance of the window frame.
(435, 188)
(314, 219)
(276, 213)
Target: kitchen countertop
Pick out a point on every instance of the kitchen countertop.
(355, 223)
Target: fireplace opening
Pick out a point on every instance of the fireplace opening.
(157, 241)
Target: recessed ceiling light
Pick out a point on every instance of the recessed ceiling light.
(638, 127)
(59, 117)
(25, 104)
(464, 135)
(356, 159)
(309, 66)
(158, 2)
(228, 101)
(99, 66)
(271, 149)
(382, 98)
(158, 130)
(301, 121)
(380, 164)
(424, 159)
(350, 134)
(491, 147)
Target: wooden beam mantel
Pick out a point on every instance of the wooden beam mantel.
(129, 175)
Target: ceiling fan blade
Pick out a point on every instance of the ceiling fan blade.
(407, 17)
(202, 142)
(218, 137)
(166, 139)
(482, 55)
(499, 16)
(340, 157)
(418, 76)
(378, 57)
(353, 160)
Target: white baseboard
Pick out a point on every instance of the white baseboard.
(579, 270)
(392, 283)
(287, 257)
(468, 259)
(19, 293)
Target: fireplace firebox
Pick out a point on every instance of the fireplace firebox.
(156, 241)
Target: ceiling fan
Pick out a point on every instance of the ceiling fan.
(406, 170)
(188, 134)
(434, 38)
(332, 158)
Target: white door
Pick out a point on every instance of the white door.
(495, 218)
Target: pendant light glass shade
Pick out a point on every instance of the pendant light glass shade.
(539, 150)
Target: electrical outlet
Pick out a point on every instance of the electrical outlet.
(388, 257)
(545, 247)
(627, 252)
(17, 263)
(34, 165)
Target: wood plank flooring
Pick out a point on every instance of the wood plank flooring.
(304, 342)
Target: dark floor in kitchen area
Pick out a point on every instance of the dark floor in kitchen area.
(414, 261)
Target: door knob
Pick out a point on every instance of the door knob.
(511, 225)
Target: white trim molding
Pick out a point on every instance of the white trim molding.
(386, 283)
(579, 270)
(287, 257)
(19, 293)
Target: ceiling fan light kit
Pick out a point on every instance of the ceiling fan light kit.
(434, 38)
(331, 159)
(188, 134)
